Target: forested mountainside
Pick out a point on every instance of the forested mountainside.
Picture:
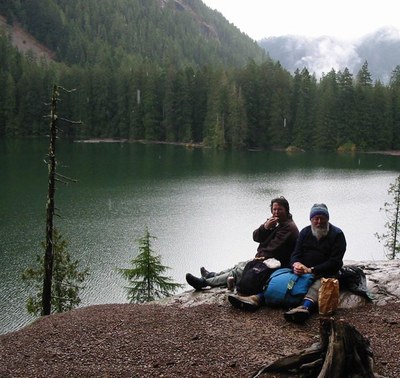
(88, 32)
(154, 89)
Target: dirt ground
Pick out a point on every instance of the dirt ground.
(126, 340)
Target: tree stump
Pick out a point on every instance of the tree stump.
(341, 352)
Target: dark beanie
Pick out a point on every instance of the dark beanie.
(319, 209)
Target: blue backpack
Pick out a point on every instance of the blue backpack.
(286, 289)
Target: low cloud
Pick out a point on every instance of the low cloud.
(325, 54)
(380, 49)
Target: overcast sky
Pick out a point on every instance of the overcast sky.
(345, 19)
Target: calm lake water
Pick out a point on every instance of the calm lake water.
(202, 206)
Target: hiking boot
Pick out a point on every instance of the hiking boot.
(197, 283)
(205, 273)
(297, 315)
(230, 283)
(250, 303)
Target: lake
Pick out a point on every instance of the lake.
(201, 205)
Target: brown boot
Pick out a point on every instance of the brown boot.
(230, 283)
(297, 315)
(250, 303)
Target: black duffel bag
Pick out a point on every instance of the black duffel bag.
(254, 277)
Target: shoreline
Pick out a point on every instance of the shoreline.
(142, 141)
(388, 152)
(201, 145)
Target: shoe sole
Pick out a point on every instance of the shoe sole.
(198, 288)
(237, 303)
(297, 317)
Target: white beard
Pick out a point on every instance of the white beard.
(320, 233)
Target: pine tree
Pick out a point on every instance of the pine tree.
(382, 118)
(145, 277)
(394, 88)
(345, 129)
(365, 123)
(326, 113)
(391, 239)
(305, 111)
(67, 280)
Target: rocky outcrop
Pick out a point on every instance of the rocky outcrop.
(383, 280)
(383, 284)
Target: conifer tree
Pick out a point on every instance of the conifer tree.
(67, 280)
(391, 239)
(394, 87)
(324, 136)
(146, 279)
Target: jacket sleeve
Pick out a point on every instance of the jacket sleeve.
(261, 234)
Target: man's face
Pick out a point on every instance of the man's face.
(278, 211)
(319, 226)
(319, 221)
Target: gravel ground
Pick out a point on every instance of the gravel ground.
(153, 340)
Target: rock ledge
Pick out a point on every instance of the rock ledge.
(383, 283)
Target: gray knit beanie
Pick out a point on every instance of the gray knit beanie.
(319, 209)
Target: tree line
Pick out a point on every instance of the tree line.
(258, 106)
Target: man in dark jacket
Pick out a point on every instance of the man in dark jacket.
(319, 250)
(276, 237)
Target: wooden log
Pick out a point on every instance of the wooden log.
(295, 361)
(342, 352)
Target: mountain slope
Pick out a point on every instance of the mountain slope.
(88, 32)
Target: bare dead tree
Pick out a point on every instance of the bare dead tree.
(50, 205)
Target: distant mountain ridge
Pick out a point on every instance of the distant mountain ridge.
(381, 49)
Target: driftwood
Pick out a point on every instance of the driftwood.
(341, 352)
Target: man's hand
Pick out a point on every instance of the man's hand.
(271, 223)
(299, 268)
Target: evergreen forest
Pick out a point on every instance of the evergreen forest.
(176, 71)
